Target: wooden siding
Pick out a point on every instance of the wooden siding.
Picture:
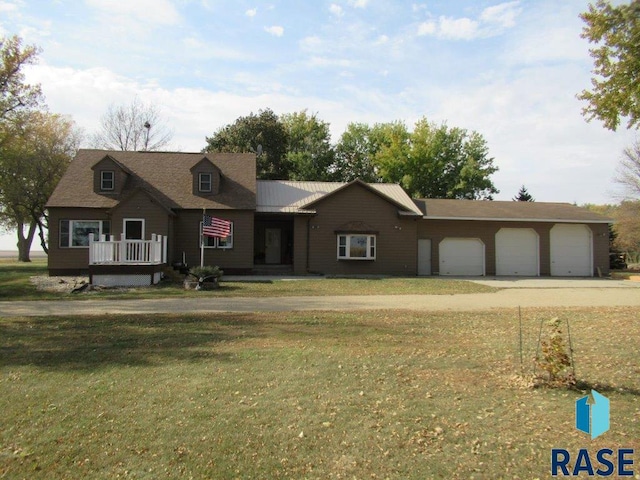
(396, 244)
(186, 239)
(63, 261)
(437, 230)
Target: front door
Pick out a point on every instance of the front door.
(273, 242)
(135, 251)
(133, 228)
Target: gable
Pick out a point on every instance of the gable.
(206, 177)
(390, 193)
(109, 176)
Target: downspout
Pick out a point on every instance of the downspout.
(308, 239)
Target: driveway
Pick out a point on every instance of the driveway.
(595, 295)
(546, 282)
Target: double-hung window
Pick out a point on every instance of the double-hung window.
(75, 233)
(205, 182)
(107, 180)
(224, 243)
(356, 247)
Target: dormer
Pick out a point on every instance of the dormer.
(109, 176)
(206, 178)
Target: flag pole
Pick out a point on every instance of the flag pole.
(202, 239)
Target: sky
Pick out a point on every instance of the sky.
(507, 70)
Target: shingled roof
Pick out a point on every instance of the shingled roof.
(164, 175)
(441, 209)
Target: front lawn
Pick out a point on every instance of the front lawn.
(304, 395)
(15, 284)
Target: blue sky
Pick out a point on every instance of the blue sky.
(508, 70)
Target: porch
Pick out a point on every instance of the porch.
(126, 262)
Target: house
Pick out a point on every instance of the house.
(123, 216)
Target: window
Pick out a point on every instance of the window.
(204, 182)
(225, 243)
(107, 180)
(356, 247)
(75, 233)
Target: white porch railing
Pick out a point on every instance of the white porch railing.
(108, 251)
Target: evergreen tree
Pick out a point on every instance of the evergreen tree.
(523, 195)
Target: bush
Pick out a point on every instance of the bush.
(556, 360)
(206, 273)
(206, 278)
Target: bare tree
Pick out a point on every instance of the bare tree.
(628, 172)
(135, 127)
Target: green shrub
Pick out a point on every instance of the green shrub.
(206, 273)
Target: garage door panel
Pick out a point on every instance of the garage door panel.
(461, 256)
(571, 251)
(517, 252)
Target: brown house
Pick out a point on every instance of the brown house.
(123, 216)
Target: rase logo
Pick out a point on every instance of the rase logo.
(592, 417)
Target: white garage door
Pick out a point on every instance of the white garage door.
(517, 252)
(461, 256)
(571, 251)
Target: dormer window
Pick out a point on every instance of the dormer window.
(107, 180)
(205, 182)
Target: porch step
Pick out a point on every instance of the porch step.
(272, 270)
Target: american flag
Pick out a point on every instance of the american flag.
(215, 227)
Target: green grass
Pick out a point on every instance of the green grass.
(14, 279)
(303, 395)
(15, 285)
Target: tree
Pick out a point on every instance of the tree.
(310, 152)
(627, 228)
(616, 32)
(246, 133)
(15, 94)
(435, 161)
(135, 127)
(628, 174)
(34, 157)
(355, 154)
(523, 195)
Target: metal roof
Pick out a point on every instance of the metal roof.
(285, 196)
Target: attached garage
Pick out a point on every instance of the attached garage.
(461, 256)
(517, 252)
(571, 250)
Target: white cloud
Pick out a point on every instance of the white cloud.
(358, 3)
(492, 21)
(8, 7)
(251, 12)
(275, 30)
(329, 62)
(503, 15)
(457, 28)
(312, 43)
(336, 10)
(157, 12)
(427, 28)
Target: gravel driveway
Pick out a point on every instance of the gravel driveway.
(601, 295)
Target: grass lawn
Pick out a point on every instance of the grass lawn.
(304, 395)
(15, 285)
